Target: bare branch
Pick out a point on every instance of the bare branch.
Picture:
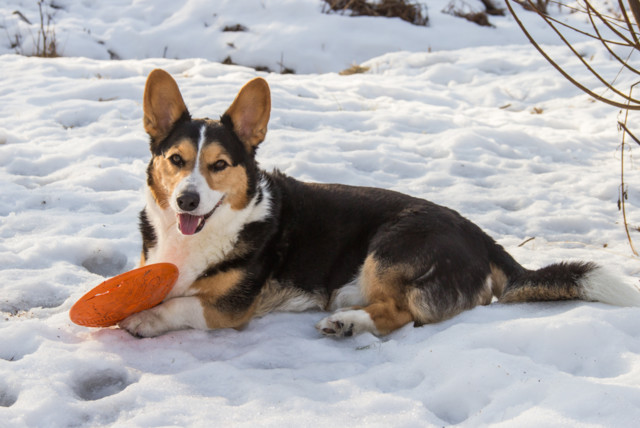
(627, 98)
(605, 43)
(624, 127)
(635, 9)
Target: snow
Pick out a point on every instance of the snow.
(468, 117)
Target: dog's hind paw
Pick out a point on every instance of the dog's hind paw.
(346, 323)
(334, 328)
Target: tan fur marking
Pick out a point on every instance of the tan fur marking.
(213, 287)
(388, 316)
(210, 289)
(166, 175)
(211, 153)
(232, 180)
(485, 295)
(162, 104)
(498, 280)
(533, 293)
(143, 259)
(384, 281)
(218, 319)
(384, 287)
(423, 311)
(277, 297)
(428, 312)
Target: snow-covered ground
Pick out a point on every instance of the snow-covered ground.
(469, 117)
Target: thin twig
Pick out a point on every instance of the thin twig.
(624, 126)
(635, 9)
(526, 240)
(596, 19)
(625, 63)
(610, 25)
(584, 33)
(584, 62)
(563, 72)
(623, 192)
(579, 8)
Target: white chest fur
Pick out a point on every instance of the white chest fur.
(193, 254)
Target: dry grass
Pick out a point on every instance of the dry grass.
(473, 13)
(283, 68)
(354, 69)
(406, 10)
(492, 9)
(235, 28)
(45, 43)
(535, 5)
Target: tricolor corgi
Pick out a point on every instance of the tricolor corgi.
(248, 242)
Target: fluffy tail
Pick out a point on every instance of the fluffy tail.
(570, 280)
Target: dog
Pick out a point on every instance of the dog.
(248, 242)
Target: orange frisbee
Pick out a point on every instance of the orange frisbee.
(124, 294)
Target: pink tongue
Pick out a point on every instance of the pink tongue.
(188, 223)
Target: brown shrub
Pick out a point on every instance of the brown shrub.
(406, 10)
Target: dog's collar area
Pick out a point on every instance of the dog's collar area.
(189, 224)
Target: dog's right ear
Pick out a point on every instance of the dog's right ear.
(163, 105)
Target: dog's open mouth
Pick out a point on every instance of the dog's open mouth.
(191, 224)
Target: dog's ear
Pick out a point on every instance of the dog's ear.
(249, 112)
(163, 105)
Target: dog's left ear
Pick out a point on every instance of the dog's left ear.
(250, 112)
(163, 105)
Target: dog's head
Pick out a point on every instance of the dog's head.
(198, 165)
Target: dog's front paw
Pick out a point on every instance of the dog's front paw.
(144, 324)
(346, 323)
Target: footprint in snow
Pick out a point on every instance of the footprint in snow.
(105, 262)
(100, 384)
(18, 303)
(7, 397)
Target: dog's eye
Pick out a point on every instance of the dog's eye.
(218, 166)
(177, 160)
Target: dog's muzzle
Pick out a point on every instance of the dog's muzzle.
(190, 224)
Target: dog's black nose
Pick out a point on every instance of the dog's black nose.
(188, 201)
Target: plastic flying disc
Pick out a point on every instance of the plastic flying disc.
(123, 295)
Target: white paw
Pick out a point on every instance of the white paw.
(144, 324)
(346, 323)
